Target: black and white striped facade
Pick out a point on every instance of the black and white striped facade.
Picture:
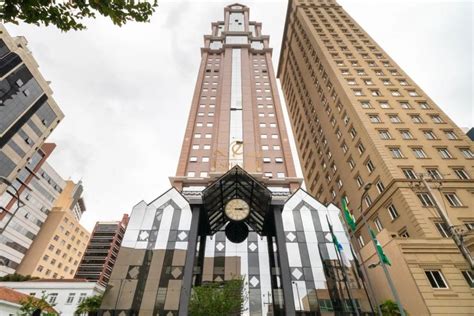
(148, 276)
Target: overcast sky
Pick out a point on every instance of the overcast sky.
(126, 92)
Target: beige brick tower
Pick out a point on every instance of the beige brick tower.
(358, 118)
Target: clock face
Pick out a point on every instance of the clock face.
(237, 210)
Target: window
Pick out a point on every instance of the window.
(359, 180)
(453, 199)
(279, 160)
(268, 174)
(370, 166)
(368, 82)
(361, 148)
(467, 153)
(434, 173)
(409, 173)
(394, 118)
(351, 163)
(444, 153)
(386, 82)
(378, 224)
(195, 146)
(395, 93)
(82, 297)
(416, 119)
(469, 276)
(365, 105)
(193, 159)
(392, 211)
(191, 174)
(385, 134)
(368, 200)
(443, 229)
(70, 298)
(52, 297)
(461, 173)
(413, 93)
(425, 199)
(205, 159)
(450, 135)
(384, 105)
(405, 105)
(197, 135)
(380, 186)
(406, 134)
(375, 93)
(436, 279)
(436, 119)
(396, 152)
(374, 118)
(360, 239)
(403, 233)
(280, 174)
(424, 105)
(419, 153)
(429, 135)
(267, 160)
(353, 133)
(358, 92)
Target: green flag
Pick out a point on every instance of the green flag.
(380, 249)
(348, 216)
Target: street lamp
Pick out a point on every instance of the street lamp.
(8, 183)
(385, 270)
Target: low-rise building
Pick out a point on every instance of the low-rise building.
(10, 302)
(64, 295)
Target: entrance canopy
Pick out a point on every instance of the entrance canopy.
(236, 183)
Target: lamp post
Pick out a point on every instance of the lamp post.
(384, 267)
(8, 183)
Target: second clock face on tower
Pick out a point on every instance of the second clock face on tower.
(237, 210)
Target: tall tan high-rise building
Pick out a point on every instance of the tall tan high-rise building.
(61, 242)
(358, 118)
(235, 209)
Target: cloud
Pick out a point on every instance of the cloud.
(126, 92)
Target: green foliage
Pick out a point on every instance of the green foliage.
(30, 304)
(218, 298)
(90, 305)
(17, 278)
(390, 308)
(67, 15)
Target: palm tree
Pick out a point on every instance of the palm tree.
(89, 306)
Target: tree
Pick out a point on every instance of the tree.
(90, 305)
(67, 15)
(218, 298)
(390, 308)
(17, 278)
(31, 306)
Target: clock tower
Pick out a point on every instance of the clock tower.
(235, 208)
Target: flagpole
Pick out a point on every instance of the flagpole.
(381, 260)
(364, 270)
(363, 276)
(344, 274)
